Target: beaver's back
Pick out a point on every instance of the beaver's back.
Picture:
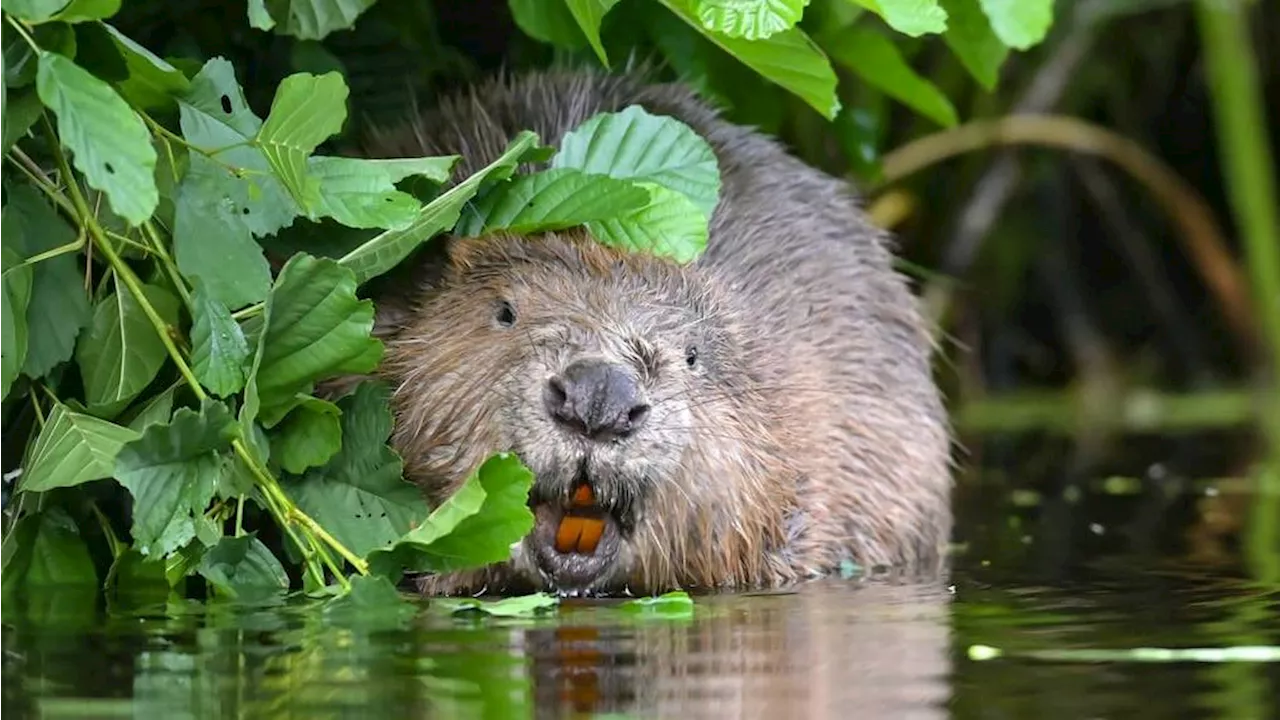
(837, 344)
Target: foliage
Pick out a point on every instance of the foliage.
(162, 356)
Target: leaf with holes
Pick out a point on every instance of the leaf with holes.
(971, 39)
(171, 471)
(306, 111)
(361, 193)
(788, 58)
(909, 17)
(309, 436)
(73, 448)
(879, 62)
(360, 495)
(635, 145)
(121, 352)
(17, 296)
(109, 144)
(315, 328)
(750, 19)
(239, 182)
(314, 19)
(476, 526)
(387, 249)
(550, 200)
(218, 345)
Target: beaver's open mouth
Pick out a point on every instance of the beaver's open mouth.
(576, 543)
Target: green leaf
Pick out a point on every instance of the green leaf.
(72, 449)
(372, 601)
(875, 58)
(361, 193)
(315, 328)
(909, 17)
(121, 353)
(152, 82)
(518, 606)
(59, 306)
(970, 37)
(242, 567)
(21, 110)
(1019, 24)
(676, 603)
(259, 17)
(309, 436)
(306, 111)
(669, 225)
(218, 345)
(171, 471)
(387, 249)
(475, 527)
(215, 117)
(46, 549)
(360, 495)
(749, 19)
(590, 14)
(789, 58)
(156, 410)
(550, 22)
(17, 294)
(109, 144)
(635, 145)
(550, 200)
(315, 19)
(34, 11)
(78, 11)
(212, 243)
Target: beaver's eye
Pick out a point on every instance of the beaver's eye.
(691, 356)
(506, 315)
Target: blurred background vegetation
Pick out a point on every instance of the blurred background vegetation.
(1093, 226)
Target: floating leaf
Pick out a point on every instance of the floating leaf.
(751, 19)
(909, 17)
(17, 294)
(385, 251)
(73, 448)
(634, 145)
(518, 606)
(361, 193)
(306, 111)
(360, 495)
(109, 144)
(372, 602)
(877, 60)
(308, 436)
(1019, 24)
(788, 58)
(676, 603)
(315, 328)
(45, 549)
(171, 471)
(312, 19)
(218, 345)
(475, 527)
(242, 567)
(121, 353)
(551, 200)
(669, 225)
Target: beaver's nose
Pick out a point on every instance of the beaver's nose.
(599, 399)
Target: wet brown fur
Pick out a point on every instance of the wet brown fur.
(814, 433)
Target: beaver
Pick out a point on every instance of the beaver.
(762, 415)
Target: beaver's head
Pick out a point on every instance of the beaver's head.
(625, 384)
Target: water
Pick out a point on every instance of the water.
(869, 647)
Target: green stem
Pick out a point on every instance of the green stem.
(55, 252)
(240, 516)
(41, 181)
(170, 267)
(1248, 170)
(22, 30)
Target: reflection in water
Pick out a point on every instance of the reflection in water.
(817, 652)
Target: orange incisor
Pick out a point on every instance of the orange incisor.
(579, 532)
